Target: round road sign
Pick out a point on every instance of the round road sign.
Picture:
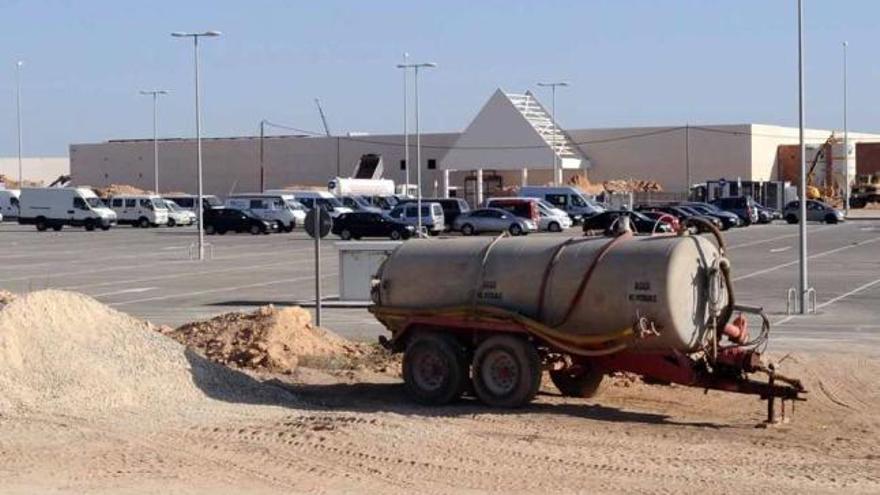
(324, 223)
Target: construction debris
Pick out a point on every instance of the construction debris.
(614, 186)
(117, 190)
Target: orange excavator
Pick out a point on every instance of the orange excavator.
(813, 191)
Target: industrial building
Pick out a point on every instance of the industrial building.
(511, 141)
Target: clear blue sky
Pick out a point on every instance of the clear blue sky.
(630, 62)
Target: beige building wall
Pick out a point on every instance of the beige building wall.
(233, 164)
(662, 154)
(37, 169)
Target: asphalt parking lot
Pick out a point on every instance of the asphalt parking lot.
(148, 273)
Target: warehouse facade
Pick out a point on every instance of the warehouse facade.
(512, 141)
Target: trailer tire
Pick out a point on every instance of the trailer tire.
(435, 369)
(580, 382)
(506, 371)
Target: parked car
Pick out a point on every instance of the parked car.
(728, 220)
(452, 207)
(55, 207)
(817, 211)
(566, 198)
(9, 201)
(743, 206)
(189, 201)
(605, 222)
(359, 203)
(177, 216)
(666, 218)
(370, 224)
(309, 199)
(139, 210)
(282, 209)
(221, 220)
(433, 219)
(684, 214)
(493, 220)
(547, 219)
(767, 215)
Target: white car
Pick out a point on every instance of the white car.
(178, 216)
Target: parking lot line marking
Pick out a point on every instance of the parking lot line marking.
(222, 289)
(779, 250)
(777, 238)
(812, 256)
(125, 291)
(834, 300)
(194, 274)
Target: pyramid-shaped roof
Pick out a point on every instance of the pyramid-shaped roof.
(511, 132)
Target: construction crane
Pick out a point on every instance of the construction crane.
(323, 118)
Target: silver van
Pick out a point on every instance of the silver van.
(432, 216)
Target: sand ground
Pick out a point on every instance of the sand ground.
(358, 433)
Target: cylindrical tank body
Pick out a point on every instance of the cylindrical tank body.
(662, 278)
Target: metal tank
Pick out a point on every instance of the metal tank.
(590, 286)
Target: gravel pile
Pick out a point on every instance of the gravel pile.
(268, 339)
(65, 352)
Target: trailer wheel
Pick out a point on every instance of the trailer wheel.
(506, 371)
(577, 381)
(435, 369)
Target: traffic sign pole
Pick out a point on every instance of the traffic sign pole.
(317, 266)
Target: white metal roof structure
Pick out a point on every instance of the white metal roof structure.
(511, 132)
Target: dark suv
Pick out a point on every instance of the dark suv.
(743, 206)
(223, 220)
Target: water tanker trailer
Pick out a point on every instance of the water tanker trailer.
(491, 314)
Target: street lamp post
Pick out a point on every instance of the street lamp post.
(553, 85)
(18, 119)
(195, 37)
(802, 224)
(846, 188)
(416, 68)
(155, 93)
(405, 68)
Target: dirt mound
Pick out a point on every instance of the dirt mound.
(6, 297)
(11, 183)
(268, 339)
(66, 352)
(117, 189)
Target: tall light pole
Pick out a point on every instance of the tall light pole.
(553, 86)
(195, 37)
(155, 93)
(416, 68)
(405, 68)
(18, 118)
(802, 225)
(846, 186)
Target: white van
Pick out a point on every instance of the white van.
(53, 207)
(323, 199)
(282, 209)
(139, 210)
(9, 200)
(567, 198)
(189, 201)
(177, 216)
